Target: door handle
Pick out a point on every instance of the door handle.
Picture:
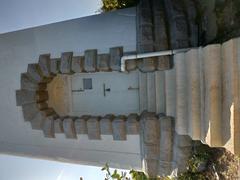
(105, 89)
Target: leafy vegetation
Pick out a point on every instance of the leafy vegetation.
(205, 163)
(110, 5)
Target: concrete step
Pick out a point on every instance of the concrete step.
(193, 94)
(181, 95)
(66, 62)
(69, 128)
(90, 60)
(151, 92)
(93, 128)
(119, 128)
(213, 94)
(231, 100)
(160, 92)
(170, 92)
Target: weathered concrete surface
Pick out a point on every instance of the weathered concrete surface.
(115, 58)
(69, 128)
(93, 128)
(119, 128)
(77, 64)
(103, 62)
(133, 124)
(81, 125)
(106, 124)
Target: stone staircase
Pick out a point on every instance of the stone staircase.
(203, 94)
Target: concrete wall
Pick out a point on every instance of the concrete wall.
(20, 48)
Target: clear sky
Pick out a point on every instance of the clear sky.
(21, 168)
(22, 14)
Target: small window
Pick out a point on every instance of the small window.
(87, 83)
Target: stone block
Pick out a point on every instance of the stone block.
(166, 138)
(58, 125)
(93, 128)
(164, 63)
(106, 125)
(90, 60)
(42, 105)
(119, 128)
(34, 73)
(37, 121)
(150, 128)
(48, 127)
(69, 128)
(66, 62)
(55, 66)
(25, 97)
(133, 124)
(103, 62)
(131, 65)
(41, 96)
(44, 64)
(27, 83)
(115, 58)
(148, 64)
(29, 111)
(78, 64)
(81, 125)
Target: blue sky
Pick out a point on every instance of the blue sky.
(21, 168)
(22, 14)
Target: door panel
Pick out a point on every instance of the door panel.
(121, 93)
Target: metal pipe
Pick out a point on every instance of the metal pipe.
(151, 54)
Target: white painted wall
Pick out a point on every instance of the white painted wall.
(20, 48)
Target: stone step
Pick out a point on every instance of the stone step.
(90, 60)
(231, 100)
(77, 65)
(115, 58)
(170, 92)
(151, 92)
(193, 94)
(119, 128)
(213, 94)
(181, 94)
(69, 128)
(160, 92)
(93, 128)
(66, 62)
